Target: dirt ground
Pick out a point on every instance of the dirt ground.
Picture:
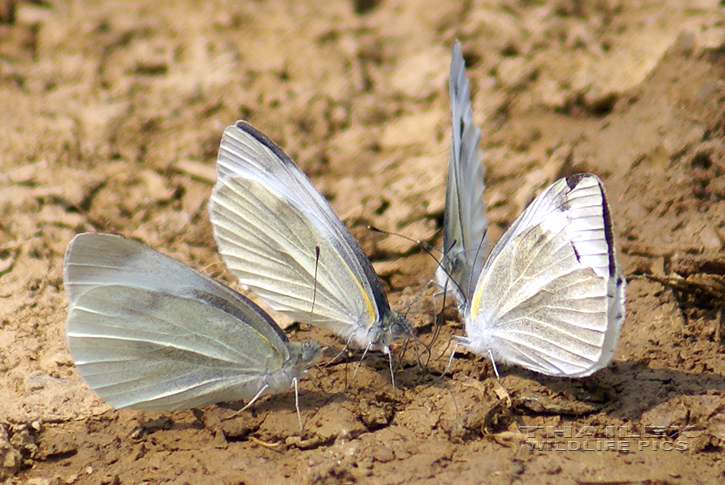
(111, 116)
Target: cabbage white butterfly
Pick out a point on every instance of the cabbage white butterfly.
(147, 332)
(464, 222)
(281, 238)
(550, 297)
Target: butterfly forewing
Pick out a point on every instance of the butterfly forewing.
(247, 153)
(464, 225)
(141, 341)
(104, 259)
(268, 222)
(271, 247)
(575, 204)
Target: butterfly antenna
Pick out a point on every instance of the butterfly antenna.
(438, 322)
(314, 283)
(425, 247)
(450, 278)
(422, 244)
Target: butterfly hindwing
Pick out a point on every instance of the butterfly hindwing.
(152, 351)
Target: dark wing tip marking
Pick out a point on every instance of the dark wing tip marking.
(608, 234)
(573, 180)
(266, 141)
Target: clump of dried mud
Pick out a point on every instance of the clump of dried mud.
(112, 115)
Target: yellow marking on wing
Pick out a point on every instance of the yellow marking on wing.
(476, 300)
(371, 309)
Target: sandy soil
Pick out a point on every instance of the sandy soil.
(111, 115)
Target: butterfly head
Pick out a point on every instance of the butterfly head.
(302, 356)
(310, 353)
(393, 326)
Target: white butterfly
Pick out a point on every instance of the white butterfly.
(550, 297)
(281, 238)
(148, 332)
(464, 223)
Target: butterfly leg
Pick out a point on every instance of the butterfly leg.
(436, 327)
(493, 363)
(254, 399)
(338, 355)
(418, 354)
(297, 404)
(314, 382)
(357, 367)
(345, 348)
(386, 349)
(453, 353)
(249, 404)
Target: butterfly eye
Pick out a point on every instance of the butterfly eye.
(312, 352)
(399, 326)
